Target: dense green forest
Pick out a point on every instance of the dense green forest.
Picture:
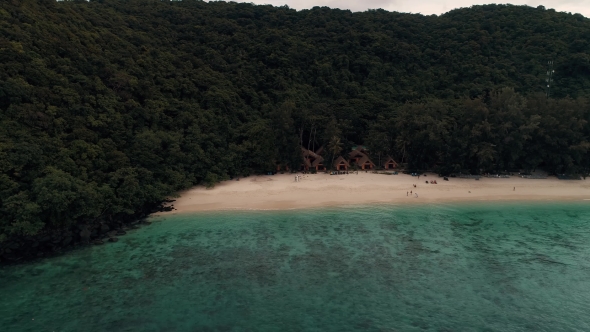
(107, 107)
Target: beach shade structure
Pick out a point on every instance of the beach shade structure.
(318, 164)
(310, 158)
(365, 163)
(360, 158)
(340, 164)
(306, 164)
(389, 163)
(356, 154)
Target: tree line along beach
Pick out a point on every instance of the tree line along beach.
(111, 107)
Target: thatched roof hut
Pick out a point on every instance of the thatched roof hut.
(308, 153)
(389, 163)
(318, 164)
(312, 159)
(356, 153)
(317, 161)
(341, 164)
(365, 163)
(306, 162)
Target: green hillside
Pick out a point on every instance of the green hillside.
(107, 107)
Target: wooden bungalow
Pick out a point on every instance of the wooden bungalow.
(365, 163)
(389, 163)
(340, 164)
(359, 157)
(306, 165)
(312, 160)
(356, 154)
(318, 164)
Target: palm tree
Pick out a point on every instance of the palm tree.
(335, 146)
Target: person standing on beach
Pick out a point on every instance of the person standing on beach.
(514, 189)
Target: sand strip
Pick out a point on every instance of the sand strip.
(281, 192)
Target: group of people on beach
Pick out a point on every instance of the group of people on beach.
(297, 178)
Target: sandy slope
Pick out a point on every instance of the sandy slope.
(315, 190)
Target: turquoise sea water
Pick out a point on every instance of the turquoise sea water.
(500, 267)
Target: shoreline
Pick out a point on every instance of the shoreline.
(281, 192)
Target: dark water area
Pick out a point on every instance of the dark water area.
(487, 267)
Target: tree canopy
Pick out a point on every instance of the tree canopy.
(109, 106)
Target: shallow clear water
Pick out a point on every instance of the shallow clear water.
(500, 267)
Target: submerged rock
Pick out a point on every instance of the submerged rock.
(113, 239)
(98, 242)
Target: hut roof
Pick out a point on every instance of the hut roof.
(317, 161)
(339, 160)
(387, 160)
(363, 160)
(308, 153)
(356, 153)
(320, 150)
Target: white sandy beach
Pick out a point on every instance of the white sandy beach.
(279, 192)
